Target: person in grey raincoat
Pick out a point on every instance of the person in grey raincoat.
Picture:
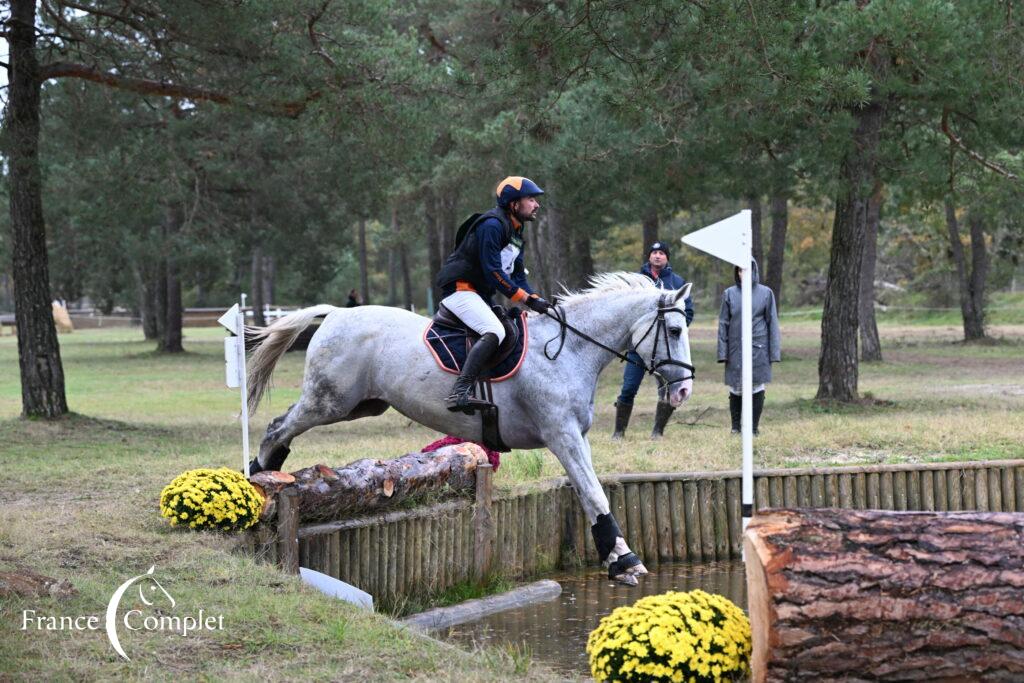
(766, 348)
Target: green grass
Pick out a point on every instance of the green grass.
(79, 496)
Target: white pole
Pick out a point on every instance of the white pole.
(748, 399)
(244, 383)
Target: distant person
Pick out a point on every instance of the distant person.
(354, 299)
(658, 269)
(489, 259)
(765, 348)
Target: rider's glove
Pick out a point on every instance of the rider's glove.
(538, 305)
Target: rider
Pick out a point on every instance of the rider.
(658, 269)
(489, 259)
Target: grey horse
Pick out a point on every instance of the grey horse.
(363, 360)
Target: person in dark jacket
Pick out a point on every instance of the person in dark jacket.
(658, 269)
(766, 347)
(354, 299)
(489, 259)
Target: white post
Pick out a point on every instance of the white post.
(730, 240)
(244, 382)
(748, 398)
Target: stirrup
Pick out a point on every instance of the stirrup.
(466, 404)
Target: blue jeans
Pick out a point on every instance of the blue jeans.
(632, 378)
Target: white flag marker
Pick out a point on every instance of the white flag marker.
(730, 240)
(235, 375)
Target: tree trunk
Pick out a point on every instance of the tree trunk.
(877, 595)
(536, 257)
(756, 247)
(581, 260)
(650, 232)
(870, 344)
(434, 256)
(170, 334)
(364, 273)
(327, 494)
(256, 287)
(777, 249)
(837, 362)
(269, 278)
(971, 285)
(406, 277)
(147, 302)
(42, 373)
(558, 245)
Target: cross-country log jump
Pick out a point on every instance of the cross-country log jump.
(363, 360)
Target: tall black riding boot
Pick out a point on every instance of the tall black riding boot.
(736, 411)
(661, 417)
(622, 413)
(758, 407)
(478, 356)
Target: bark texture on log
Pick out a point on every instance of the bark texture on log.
(326, 493)
(875, 595)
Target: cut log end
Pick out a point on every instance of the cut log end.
(838, 594)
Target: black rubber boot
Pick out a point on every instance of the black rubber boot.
(478, 356)
(275, 460)
(622, 413)
(661, 417)
(736, 412)
(758, 407)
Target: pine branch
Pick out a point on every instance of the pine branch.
(971, 153)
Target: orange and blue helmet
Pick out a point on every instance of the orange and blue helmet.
(516, 187)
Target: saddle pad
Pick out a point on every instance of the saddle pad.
(449, 347)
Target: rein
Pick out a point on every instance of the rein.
(650, 367)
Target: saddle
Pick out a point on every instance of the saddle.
(449, 340)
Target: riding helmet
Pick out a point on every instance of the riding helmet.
(515, 187)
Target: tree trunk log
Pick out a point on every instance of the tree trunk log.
(777, 248)
(651, 226)
(870, 344)
(756, 247)
(42, 374)
(326, 494)
(837, 362)
(877, 595)
(364, 275)
(971, 285)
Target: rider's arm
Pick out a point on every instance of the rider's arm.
(489, 235)
(519, 276)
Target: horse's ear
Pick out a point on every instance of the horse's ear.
(684, 292)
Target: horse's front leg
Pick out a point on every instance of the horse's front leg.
(573, 450)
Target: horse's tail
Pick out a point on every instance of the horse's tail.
(274, 340)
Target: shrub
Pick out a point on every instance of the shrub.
(211, 499)
(692, 636)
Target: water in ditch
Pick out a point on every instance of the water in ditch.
(555, 632)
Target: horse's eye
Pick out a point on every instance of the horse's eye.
(675, 331)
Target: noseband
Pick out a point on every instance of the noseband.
(660, 328)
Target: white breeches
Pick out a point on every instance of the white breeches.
(473, 311)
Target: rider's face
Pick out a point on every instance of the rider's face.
(657, 259)
(526, 209)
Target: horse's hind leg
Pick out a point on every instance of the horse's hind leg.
(302, 417)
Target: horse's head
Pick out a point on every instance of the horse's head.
(661, 339)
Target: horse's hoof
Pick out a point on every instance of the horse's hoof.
(638, 570)
(627, 579)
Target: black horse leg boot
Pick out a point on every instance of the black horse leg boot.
(661, 417)
(735, 411)
(622, 413)
(478, 356)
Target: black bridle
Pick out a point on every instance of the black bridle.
(660, 328)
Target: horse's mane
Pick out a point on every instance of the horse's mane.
(605, 283)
